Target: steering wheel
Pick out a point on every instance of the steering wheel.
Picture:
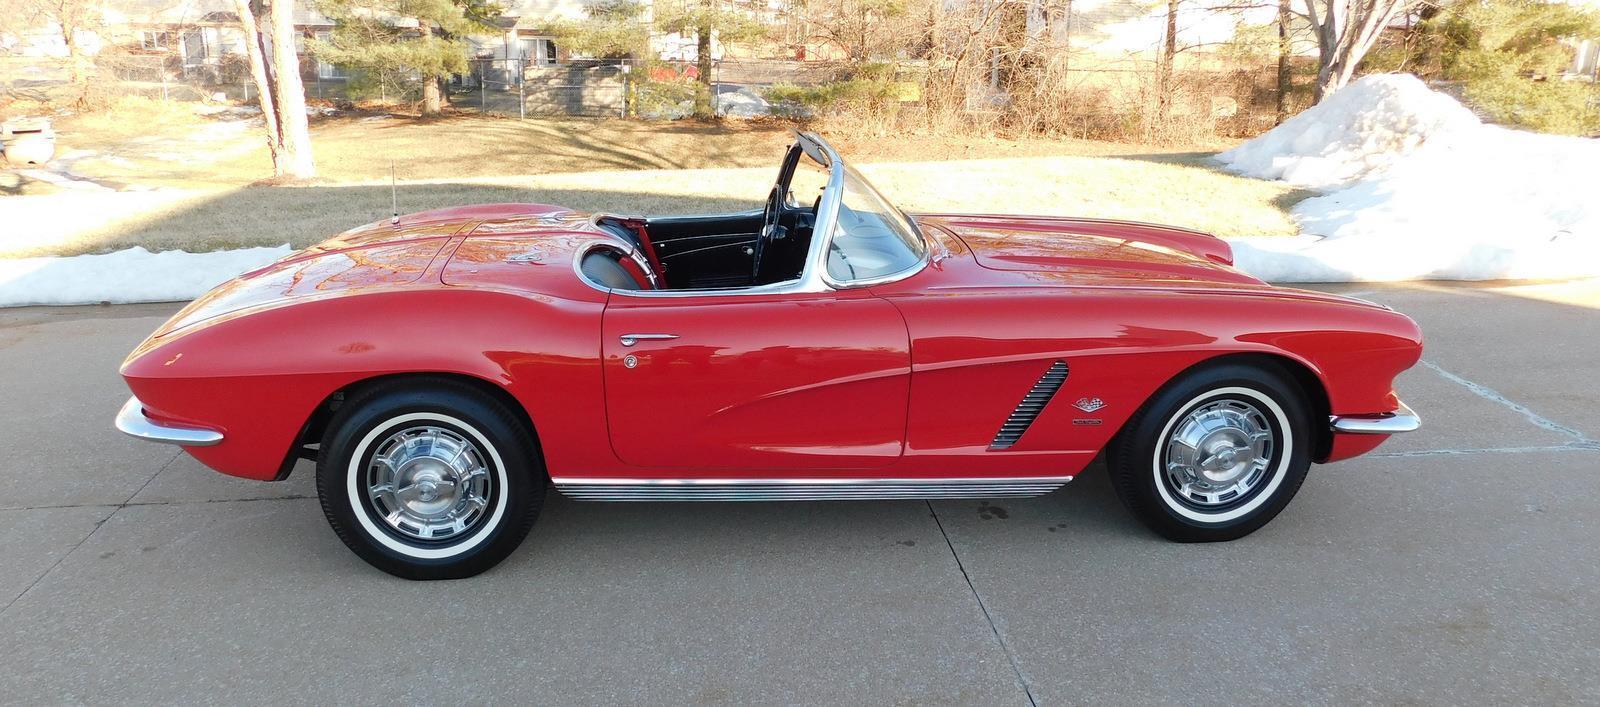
(769, 232)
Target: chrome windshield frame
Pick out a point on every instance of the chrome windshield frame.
(908, 271)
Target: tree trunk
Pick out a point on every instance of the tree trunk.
(703, 107)
(1345, 32)
(259, 74)
(432, 103)
(1329, 71)
(1285, 79)
(432, 100)
(290, 95)
(77, 62)
(1334, 74)
(1169, 54)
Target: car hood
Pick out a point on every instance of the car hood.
(1094, 249)
(1102, 253)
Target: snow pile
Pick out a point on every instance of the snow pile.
(742, 103)
(1371, 124)
(131, 275)
(1418, 188)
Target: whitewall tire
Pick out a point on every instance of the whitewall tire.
(1215, 454)
(429, 479)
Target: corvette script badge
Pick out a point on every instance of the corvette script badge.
(1089, 404)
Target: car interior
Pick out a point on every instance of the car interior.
(719, 251)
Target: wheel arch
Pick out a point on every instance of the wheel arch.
(316, 423)
(1300, 374)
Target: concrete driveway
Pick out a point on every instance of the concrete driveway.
(1460, 564)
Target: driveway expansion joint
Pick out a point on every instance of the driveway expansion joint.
(1022, 680)
(97, 526)
(1494, 396)
(1578, 446)
(179, 502)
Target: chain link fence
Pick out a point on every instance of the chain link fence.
(1094, 93)
(158, 76)
(522, 87)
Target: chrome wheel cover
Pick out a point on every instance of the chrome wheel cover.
(1218, 453)
(428, 483)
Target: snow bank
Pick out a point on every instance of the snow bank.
(742, 103)
(1417, 188)
(131, 275)
(1371, 124)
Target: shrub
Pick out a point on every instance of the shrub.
(872, 102)
(1507, 55)
(669, 98)
(1562, 107)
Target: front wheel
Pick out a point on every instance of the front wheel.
(1214, 455)
(429, 479)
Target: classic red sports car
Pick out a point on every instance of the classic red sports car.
(445, 368)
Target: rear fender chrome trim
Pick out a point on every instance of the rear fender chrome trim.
(624, 489)
(131, 420)
(1401, 420)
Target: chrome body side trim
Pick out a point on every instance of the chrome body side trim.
(624, 489)
(1401, 420)
(131, 420)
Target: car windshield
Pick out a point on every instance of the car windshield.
(872, 238)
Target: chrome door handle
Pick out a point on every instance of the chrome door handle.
(631, 339)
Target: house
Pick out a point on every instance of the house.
(193, 41)
(200, 41)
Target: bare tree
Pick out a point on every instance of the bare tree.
(864, 29)
(1346, 31)
(1285, 78)
(73, 18)
(294, 155)
(255, 50)
(275, 70)
(1169, 55)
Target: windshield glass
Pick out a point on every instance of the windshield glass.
(806, 184)
(872, 238)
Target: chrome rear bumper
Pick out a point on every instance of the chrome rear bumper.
(131, 420)
(1401, 420)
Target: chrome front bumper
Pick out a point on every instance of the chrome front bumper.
(131, 420)
(1401, 420)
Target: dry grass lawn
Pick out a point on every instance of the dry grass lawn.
(193, 176)
(250, 216)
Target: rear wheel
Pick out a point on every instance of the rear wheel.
(429, 479)
(1214, 455)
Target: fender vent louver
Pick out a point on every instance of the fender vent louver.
(1032, 404)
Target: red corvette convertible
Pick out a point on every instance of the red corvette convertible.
(445, 368)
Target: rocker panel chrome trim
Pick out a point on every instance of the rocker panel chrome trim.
(622, 489)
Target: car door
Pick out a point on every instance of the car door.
(756, 382)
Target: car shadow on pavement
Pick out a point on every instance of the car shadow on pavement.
(1086, 507)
